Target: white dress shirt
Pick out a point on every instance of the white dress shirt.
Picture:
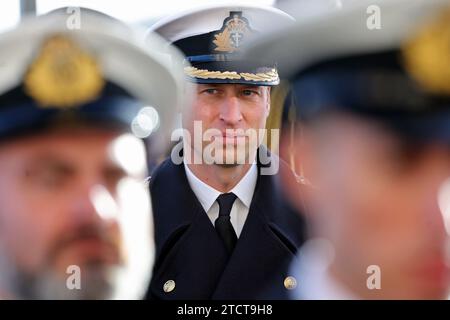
(207, 196)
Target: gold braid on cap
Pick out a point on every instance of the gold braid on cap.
(206, 74)
(269, 76)
(427, 55)
(63, 75)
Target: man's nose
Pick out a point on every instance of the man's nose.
(94, 204)
(230, 111)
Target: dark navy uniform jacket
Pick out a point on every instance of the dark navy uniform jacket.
(190, 253)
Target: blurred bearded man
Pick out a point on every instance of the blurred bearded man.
(371, 145)
(75, 212)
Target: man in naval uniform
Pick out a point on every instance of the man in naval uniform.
(372, 147)
(75, 214)
(223, 230)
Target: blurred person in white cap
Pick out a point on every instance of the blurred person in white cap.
(223, 229)
(371, 148)
(75, 209)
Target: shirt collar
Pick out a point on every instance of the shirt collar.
(246, 187)
(207, 195)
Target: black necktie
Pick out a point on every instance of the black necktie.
(223, 223)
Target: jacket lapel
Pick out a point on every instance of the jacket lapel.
(189, 251)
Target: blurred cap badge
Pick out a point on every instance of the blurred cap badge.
(63, 75)
(235, 28)
(427, 55)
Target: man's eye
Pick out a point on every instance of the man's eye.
(210, 91)
(49, 179)
(249, 92)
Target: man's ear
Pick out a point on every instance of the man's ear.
(298, 184)
(268, 99)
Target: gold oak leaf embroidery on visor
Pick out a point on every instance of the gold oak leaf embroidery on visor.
(269, 76)
(262, 76)
(206, 74)
(63, 75)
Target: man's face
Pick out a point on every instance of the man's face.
(231, 115)
(376, 200)
(69, 197)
